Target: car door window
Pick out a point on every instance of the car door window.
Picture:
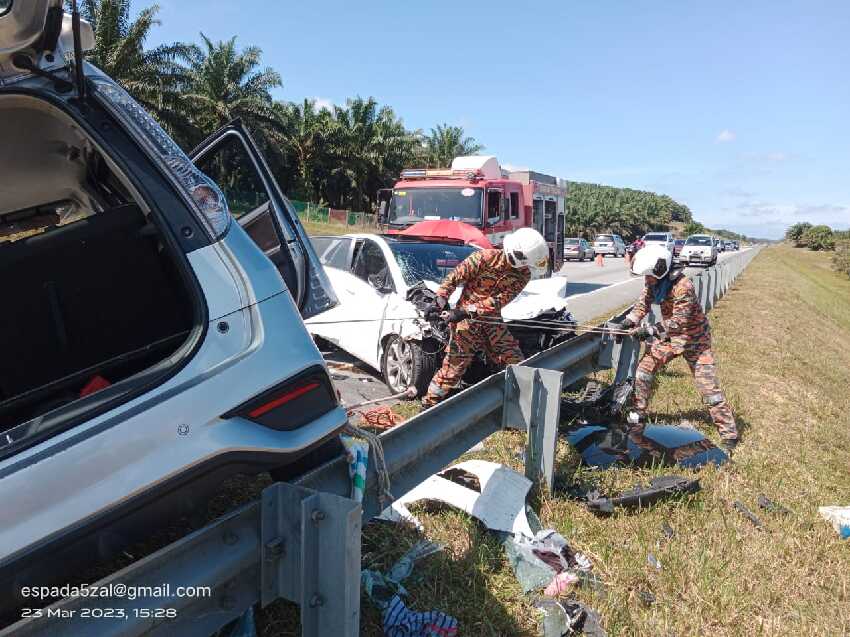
(371, 266)
(231, 158)
(333, 251)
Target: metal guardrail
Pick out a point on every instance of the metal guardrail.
(301, 542)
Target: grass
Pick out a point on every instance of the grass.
(782, 338)
(317, 228)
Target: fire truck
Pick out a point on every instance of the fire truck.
(477, 191)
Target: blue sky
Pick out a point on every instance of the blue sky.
(739, 109)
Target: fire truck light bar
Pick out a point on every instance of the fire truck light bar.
(433, 173)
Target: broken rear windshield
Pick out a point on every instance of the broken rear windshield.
(428, 261)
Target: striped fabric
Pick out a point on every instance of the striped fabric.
(399, 621)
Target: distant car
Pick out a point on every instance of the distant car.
(719, 245)
(609, 244)
(678, 244)
(578, 249)
(699, 249)
(736, 245)
(659, 238)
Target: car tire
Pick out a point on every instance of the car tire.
(410, 364)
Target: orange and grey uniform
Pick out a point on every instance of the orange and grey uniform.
(688, 334)
(489, 283)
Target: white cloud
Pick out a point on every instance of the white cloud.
(323, 102)
(725, 136)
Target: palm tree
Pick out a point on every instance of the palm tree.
(154, 77)
(225, 83)
(447, 142)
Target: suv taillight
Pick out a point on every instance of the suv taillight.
(292, 404)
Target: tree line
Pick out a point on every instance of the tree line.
(594, 208)
(339, 155)
(822, 238)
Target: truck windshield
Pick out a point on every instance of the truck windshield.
(419, 204)
(698, 241)
(428, 261)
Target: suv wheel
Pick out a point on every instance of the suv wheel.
(409, 364)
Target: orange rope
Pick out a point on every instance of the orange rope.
(381, 417)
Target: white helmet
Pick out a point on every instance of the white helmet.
(526, 248)
(653, 260)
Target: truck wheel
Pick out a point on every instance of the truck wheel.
(410, 364)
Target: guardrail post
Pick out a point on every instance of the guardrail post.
(310, 543)
(533, 404)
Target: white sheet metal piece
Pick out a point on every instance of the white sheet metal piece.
(500, 506)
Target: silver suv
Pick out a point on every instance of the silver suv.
(664, 239)
(151, 346)
(609, 244)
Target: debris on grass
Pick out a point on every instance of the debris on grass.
(653, 561)
(741, 508)
(659, 488)
(560, 618)
(839, 517)
(770, 506)
(499, 502)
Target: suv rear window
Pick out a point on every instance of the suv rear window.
(655, 237)
(604, 237)
(571, 242)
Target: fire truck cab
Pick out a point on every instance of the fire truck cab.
(477, 191)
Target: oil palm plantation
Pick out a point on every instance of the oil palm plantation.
(154, 77)
(225, 83)
(447, 142)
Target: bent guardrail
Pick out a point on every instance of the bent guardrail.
(301, 542)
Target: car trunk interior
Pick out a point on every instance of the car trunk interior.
(91, 295)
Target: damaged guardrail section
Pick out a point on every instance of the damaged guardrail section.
(301, 542)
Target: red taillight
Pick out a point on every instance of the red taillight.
(282, 400)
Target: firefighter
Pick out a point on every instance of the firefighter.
(683, 331)
(491, 279)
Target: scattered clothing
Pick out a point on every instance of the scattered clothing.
(839, 517)
(562, 583)
(399, 621)
(357, 454)
(538, 561)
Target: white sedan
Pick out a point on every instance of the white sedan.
(376, 323)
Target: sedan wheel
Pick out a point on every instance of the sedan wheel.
(398, 365)
(410, 364)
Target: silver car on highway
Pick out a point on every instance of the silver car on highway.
(609, 244)
(156, 344)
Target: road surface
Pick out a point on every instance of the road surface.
(593, 291)
(596, 291)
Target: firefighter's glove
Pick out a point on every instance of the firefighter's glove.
(455, 315)
(644, 332)
(432, 311)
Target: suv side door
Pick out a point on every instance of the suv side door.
(230, 157)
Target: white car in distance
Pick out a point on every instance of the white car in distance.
(377, 324)
(699, 249)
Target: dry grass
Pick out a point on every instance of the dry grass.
(315, 228)
(782, 336)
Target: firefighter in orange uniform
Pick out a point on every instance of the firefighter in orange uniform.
(491, 279)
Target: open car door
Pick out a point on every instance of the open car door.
(231, 159)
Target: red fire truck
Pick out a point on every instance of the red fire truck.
(477, 191)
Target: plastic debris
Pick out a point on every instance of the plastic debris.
(653, 561)
(560, 618)
(357, 453)
(640, 496)
(499, 503)
(538, 561)
(741, 508)
(839, 517)
(771, 507)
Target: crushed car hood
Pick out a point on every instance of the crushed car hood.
(538, 297)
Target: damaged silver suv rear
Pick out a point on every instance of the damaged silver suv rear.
(152, 338)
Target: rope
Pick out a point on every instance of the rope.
(376, 450)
